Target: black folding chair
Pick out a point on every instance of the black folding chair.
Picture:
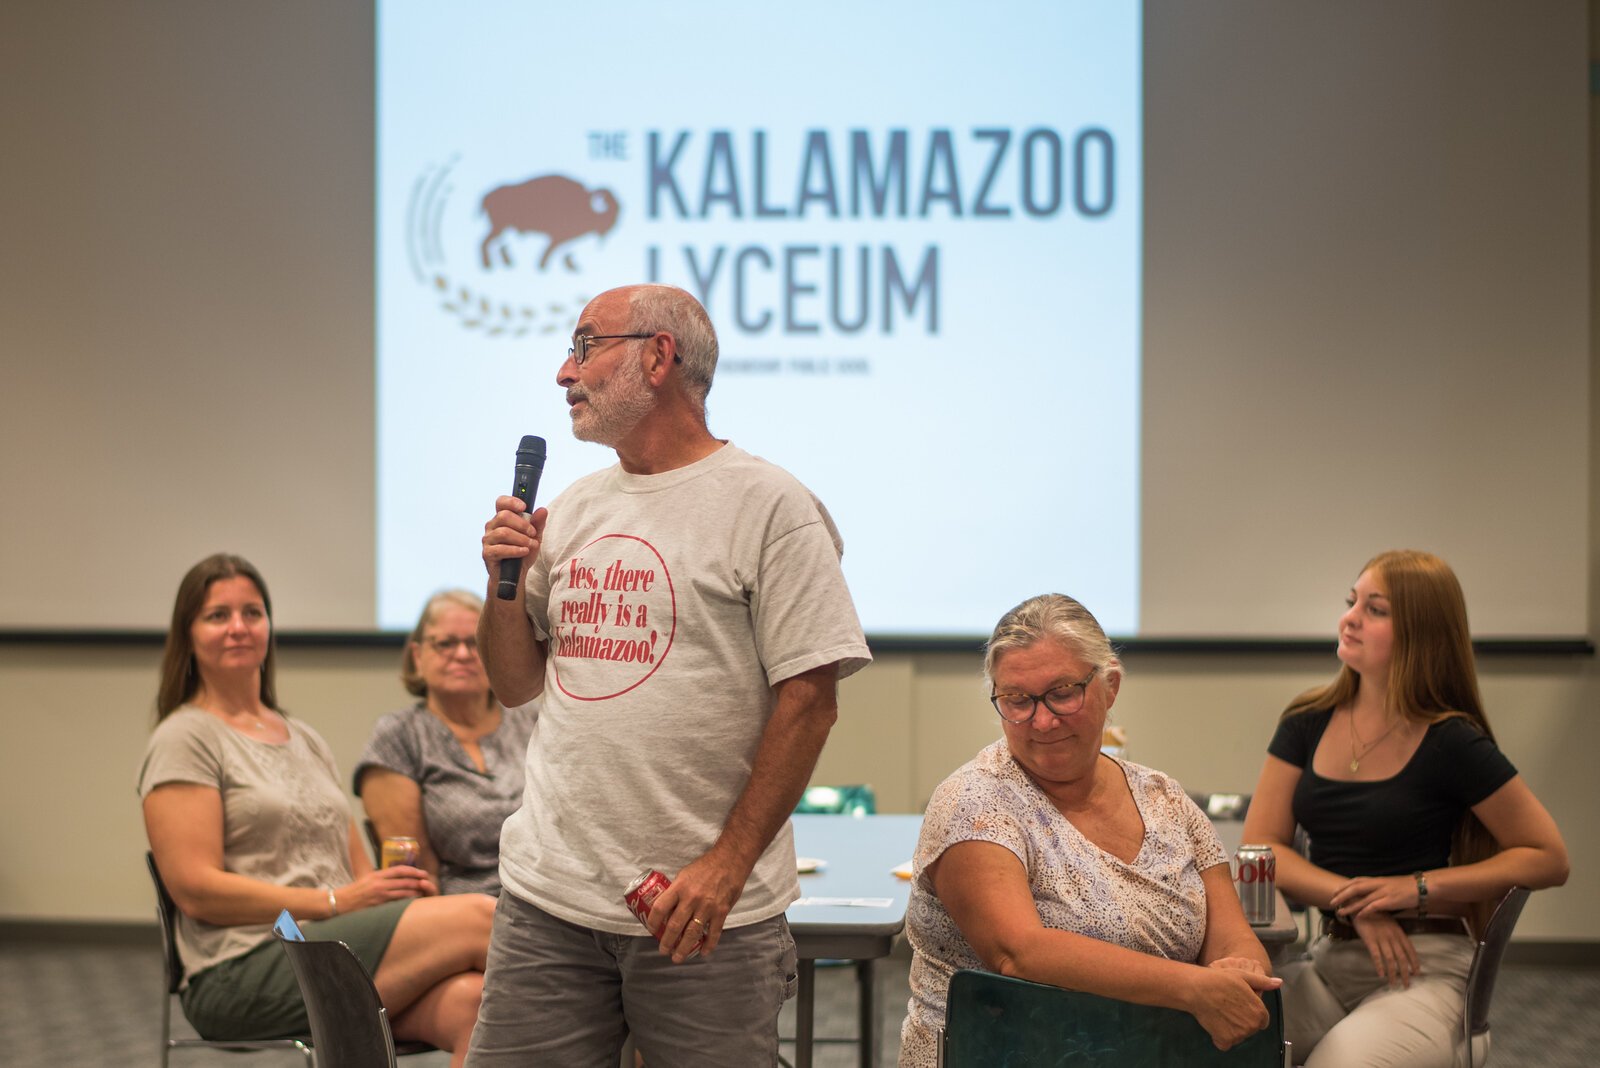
(1485, 970)
(167, 914)
(349, 1025)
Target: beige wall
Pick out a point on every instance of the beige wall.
(77, 718)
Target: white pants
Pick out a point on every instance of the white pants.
(1340, 1014)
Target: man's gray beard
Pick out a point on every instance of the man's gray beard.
(615, 409)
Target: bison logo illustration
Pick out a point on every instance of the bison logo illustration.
(553, 205)
(464, 266)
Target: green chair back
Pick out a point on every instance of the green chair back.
(995, 1022)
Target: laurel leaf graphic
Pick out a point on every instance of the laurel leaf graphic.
(478, 311)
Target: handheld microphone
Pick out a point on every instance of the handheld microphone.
(524, 484)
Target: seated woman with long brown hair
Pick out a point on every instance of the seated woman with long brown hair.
(1418, 823)
(246, 817)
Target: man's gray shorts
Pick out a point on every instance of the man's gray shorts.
(556, 993)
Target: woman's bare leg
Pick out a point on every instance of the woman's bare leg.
(444, 1016)
(436, 938)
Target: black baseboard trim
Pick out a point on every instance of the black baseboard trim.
(1544, 954)
(70, 932)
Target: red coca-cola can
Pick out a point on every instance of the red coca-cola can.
(640, 897)
(1255, 875)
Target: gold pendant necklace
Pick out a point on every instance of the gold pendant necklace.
(1357, 756)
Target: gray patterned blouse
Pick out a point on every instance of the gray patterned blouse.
(462, 807)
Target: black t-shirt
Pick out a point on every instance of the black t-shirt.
(1399, 825)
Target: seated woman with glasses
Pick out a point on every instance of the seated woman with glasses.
(448, 770)
(1047, 860)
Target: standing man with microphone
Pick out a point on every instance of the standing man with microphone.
(685, 617)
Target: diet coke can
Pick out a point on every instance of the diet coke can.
(640, 897)
(1255, 876)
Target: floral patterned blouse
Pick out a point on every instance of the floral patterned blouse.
(1156, 904)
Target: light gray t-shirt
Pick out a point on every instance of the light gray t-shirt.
(462, 807)
(285, 819)
(672, 604)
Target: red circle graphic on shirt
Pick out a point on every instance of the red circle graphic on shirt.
(607, 631)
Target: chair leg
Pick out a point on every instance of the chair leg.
(166, 1027)
(1473, 1055)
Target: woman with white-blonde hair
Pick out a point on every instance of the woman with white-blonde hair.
(1046, 859)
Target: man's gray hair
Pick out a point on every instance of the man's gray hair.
(668, 309)
(1055, 617)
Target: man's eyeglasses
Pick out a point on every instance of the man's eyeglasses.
(579, 352)
(446, 646)
(1062, 700)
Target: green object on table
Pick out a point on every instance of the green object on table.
(855, 800)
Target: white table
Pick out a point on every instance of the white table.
(858, 854)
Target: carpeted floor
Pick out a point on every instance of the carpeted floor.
(88, 1005)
